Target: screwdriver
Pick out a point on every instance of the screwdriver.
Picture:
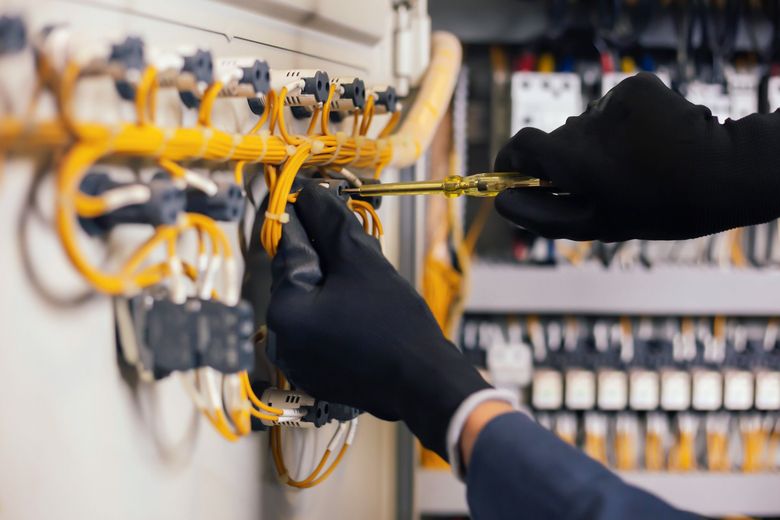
(477, 185)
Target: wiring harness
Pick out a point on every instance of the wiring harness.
(159, 283)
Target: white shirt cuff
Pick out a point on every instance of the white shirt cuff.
(462, 413)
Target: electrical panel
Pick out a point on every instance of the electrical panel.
(138, 142)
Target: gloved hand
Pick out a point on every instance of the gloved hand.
(351, 330)
(642, 162)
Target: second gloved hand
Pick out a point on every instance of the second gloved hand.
(351, 330)
(643, 162)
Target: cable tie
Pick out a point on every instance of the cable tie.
(381, 145)
(341, 139)
(167, 135)
(264, 134)
(236, 141)
(359, 142)
(317, 146)
(207, 135)
(282, 218)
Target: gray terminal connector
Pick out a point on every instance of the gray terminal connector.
(296, 405)
(350, 94)
(244, 77)
(189, 71)
(385, 99)
(13, 34)
(123, 61)
(305, 87)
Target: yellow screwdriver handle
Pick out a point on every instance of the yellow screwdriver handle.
(488, 184)
(477, 185)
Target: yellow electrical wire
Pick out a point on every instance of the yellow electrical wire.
(207, 103)
(390, 126)
(682, 456)
(368, 115)
(596, 447)
(271, 232)
(325, 117)
(145, 97)
(625, 450)
(754, 445)
(654, 451)
(717, 451)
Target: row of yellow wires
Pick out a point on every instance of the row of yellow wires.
(282, 154)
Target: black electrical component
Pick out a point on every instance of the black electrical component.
(385, 99)
(315, 89)
(226, 205)
(375, 201)
(173, 336)
(352, 97)
(165, 203)
(259, 76)
(342, 412)
(13, 34)
(200, 65)
(319, 414)
(130, 54)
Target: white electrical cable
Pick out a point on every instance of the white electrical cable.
(178, 287)
(230, 271)
(187, 380)
(124, 323)
(206, 282)
(335, 440)
(352, 432)
(201, 182)
(125, 196)
(209, 377)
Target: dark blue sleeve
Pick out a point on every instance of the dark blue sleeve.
(520, 470)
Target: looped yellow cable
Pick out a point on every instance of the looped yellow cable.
(282, 218)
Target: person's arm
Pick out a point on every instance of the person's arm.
(350, 330)
(517, 469)
(643, 162)
(503, 450)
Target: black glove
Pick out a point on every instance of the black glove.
(349, 329)
(642, 162)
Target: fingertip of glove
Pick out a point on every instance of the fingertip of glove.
(519, 153)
